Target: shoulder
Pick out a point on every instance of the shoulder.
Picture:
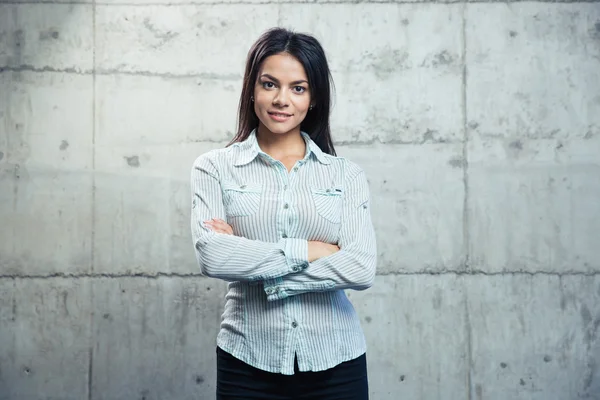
(349, 168)
(218, 157)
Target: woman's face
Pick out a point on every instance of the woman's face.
(281, 95)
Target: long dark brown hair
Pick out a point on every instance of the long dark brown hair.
(309, 52)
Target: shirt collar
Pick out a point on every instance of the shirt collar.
(249, 149)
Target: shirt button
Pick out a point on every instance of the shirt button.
(295, 169)
(294, 324)
(286, 206)
(328, 190)
(284, 236)
(295, 268)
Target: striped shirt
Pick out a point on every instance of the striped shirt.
(280, 306)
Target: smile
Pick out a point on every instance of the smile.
(280, 117)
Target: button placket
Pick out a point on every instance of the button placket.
(286, 204)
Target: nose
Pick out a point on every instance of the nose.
(281, 98)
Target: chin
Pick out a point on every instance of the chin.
(280, 129)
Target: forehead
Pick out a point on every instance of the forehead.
(283, 66)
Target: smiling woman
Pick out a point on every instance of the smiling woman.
(287, 222)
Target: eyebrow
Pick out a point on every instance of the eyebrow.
(271, 77)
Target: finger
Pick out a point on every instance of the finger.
(223, 225)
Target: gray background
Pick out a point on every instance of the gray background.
(478, 125)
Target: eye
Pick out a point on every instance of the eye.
(299, 89)
(268, 85)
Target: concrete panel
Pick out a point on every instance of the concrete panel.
(533, 70)
(46, 36)
(417, 204)
(533, 205)
(46, 120)
(145, 187)
(184, 40)
(534, 337)
(46, 221)
(45, 346)
(156, 338)
(141, 110)
(45, 183)
(402, 90)
(370, 110)
(416, 337)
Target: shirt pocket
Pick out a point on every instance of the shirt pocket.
(328, 203)
(241, 200)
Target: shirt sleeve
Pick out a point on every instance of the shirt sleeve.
(234, 258)
(353, 267)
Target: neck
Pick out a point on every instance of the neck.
(281, 146)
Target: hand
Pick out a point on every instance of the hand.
(219, 226)
(317, 250)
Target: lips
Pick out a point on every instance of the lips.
(279, 117)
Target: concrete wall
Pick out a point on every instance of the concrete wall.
(478, 125)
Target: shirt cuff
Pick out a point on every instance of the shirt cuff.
(296, 254)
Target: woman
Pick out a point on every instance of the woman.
(288, 224)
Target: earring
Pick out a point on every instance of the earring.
(310, 108)
(252, 98)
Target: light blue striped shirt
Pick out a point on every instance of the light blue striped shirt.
(278, 304)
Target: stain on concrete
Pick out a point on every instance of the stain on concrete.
(19, 39)
(521, 382)
(457, 162)
(517, 144)
(595, 31)
(402, 378)
(405, 22)
(547, 358)
(368, 319)
(473, 125)
(588, 135)
(63, 145)
(430, 135)
(1, 155)
(513, 33)
(133, 161)
(589, 376)
(27, 370)
(49, 34)
(503, 365)
(559, 146)
(586, 315)
(479, 391)
(443, 58)
(163, 36)
(199, 379)
(437, 299)
(65, 297)
(387, 62)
